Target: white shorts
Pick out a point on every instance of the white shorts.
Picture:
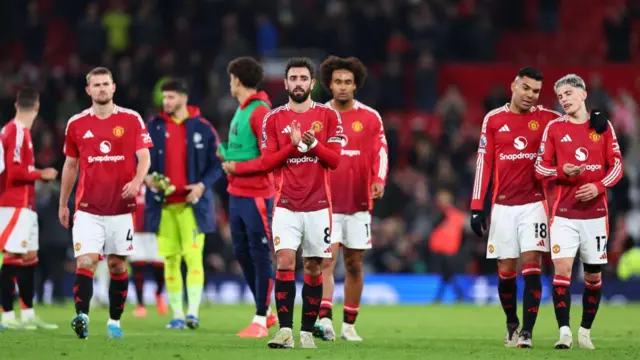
(310, 229)
(353, 231)
(517, 229)
(146, 245)
(587, 235)
(105, 235)
(18, 230)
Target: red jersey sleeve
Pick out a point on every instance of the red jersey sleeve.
(1, 156)
(484, 164)
(380, 164)
(546, 165)
(613, 158)
(143, 139)
(329, 155)
(70, 148)
(272, 155)
(255, 120)
(19, 170)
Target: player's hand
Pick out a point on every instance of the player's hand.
(195, 192)
(63, 215)
(49, 174)
(308, 137)
(377, 190)
(587, 192)
(219, 154)
(130, 189)
(148, 181)
(296, 133)
(478, 222)
(229, 167)
(572, 170)
(598, 121)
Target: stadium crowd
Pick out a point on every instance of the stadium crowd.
(54, 42)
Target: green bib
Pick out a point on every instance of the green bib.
(243, 144)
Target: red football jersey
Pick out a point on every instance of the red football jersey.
(17, 182)
(303, 179)
(364, 160)
(106, 150)
(566, 142)
(139, 215)
(508, 147)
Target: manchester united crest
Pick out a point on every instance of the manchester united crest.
(77, 246)
(316, 126)
(491, 249)
(118, 131)
(276, 241)
(357, 126)
(556, 249)
(594, 136)
(534, 125)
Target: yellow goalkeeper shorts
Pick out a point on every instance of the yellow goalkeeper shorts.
(178, 233)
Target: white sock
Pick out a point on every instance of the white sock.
(8, 316)
(178, 314)
(27, 314)
(113, 322)
(262, 320)
(304, 332)
(193, 309)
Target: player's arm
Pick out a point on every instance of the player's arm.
(484, 165)
(380, 154)
(17, 171)
(272, 157)
(69, 175)
(1, 157)
(329, 155)
(545, 165)
(214, 167)
(614, 161)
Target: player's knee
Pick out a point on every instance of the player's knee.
(531, 258)
(507, 265)
(592, 273)
(86, 262)
(313, 266)
(194, 260)
(286, 260)
(563, 269)
(171, 261)
(117, 265)
(328, 265)
(353, 267)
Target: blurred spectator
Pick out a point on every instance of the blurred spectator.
(146, 28)
(617, 29)
(426, 80)
(34, 34)
(498, 97)
(598, 96)
(548, 15)
(91, 36)
(267, 35)
(117, 22)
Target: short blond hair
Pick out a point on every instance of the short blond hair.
(100, 70)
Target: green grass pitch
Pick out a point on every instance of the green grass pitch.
(390, 333)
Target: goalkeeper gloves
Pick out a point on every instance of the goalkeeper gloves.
(598, 121)
(478, 222)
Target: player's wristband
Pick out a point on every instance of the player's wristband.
(302, 147)
(315, 142)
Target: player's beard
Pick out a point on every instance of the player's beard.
(299, 98)
(103, 101)
(173, 111)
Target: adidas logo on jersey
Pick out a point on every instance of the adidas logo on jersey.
(540, 243)
(88, 135)
(566, 138)
(287, 130)
(504, 128)
(603, 256)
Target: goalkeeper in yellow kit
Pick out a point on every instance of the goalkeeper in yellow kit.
(183, 157)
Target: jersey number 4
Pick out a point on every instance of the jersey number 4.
(540, 230)
(129, 235)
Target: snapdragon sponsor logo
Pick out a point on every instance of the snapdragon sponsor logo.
(105, 158)
(350, 153)
(518, 156)
(590, 167)
(302, 160)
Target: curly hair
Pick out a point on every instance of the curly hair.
(351, 64)
(248, 70)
